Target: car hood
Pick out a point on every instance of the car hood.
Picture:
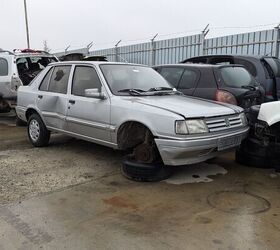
(189, 106)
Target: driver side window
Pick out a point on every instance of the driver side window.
(85, 78)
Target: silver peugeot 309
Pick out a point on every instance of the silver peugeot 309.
(128, 107)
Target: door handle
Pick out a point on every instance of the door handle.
(72, 101)
(40, 96)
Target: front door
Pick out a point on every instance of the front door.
(52, 97)
(87, 116)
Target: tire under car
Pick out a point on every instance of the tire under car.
(253, 154)
(144, 172)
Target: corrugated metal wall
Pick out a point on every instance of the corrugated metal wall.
(254, 43)
(175, 50)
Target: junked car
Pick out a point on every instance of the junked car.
(128, 107)
(19, 68)
(266, 69)
(224, 83)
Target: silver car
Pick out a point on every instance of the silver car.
(128, 107)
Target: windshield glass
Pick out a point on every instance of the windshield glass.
(236, 77)
(122, 77)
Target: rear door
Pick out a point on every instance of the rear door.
(52, 97)
(87, 116)
(5, 76)
(274, 64)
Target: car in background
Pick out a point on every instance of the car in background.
(128, 107)
(265, 69)
(19, 68)
(261, 148)
(81, 57)
(231, 84)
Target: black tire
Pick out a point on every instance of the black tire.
(41, 135)
(144, 172)
(20, 123)
(250, 160)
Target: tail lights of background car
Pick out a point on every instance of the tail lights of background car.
(225, 96)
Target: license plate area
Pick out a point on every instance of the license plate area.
(230, 142)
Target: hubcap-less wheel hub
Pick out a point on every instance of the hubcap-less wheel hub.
(34, 130)
(144, 153)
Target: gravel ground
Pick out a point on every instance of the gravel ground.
(27, 171)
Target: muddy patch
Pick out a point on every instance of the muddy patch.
(120, 202)
(195, 173)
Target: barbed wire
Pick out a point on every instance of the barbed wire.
(168, 35)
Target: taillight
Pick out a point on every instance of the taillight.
(224, 96)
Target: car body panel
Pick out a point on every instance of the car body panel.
(270, 113)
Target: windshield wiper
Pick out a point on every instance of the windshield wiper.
(132, 91)
(161, 89)
(248, 87)
(164, 91)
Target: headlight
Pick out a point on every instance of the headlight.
(244, 119)
(191, 127)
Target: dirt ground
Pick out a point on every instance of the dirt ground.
(71, 195)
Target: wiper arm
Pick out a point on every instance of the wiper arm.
(161, 89)
(248, 87)
(132, 91)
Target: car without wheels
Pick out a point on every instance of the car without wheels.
(128, 107)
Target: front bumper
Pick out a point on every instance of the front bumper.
(197, 149)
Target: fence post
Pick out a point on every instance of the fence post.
(276, 41)
(202, 40)
(153, 50)
(117, 51)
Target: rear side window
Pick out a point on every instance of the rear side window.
(45, 83)
(85, 78)
(3, 67)
(236, 77)
(247, 65)
(59, 79)
(188, 80)
(172, 75)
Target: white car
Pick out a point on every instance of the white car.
(17, 69)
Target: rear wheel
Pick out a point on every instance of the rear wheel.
(38, 134)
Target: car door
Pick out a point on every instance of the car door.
(52, 97)
(5, 76)
(188, 81)
(87, 116)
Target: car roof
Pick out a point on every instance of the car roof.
(231, 56)
(198, 65)
(94, 63)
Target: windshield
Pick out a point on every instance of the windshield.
(236, 77)
(128, 77)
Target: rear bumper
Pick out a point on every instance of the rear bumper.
(194, 150)
(21, 113)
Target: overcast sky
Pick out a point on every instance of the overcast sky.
(78, 22)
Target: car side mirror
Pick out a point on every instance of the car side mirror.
(95, 93)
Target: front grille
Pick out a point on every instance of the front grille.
(223, 123)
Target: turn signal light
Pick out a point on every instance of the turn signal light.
(224, 96)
